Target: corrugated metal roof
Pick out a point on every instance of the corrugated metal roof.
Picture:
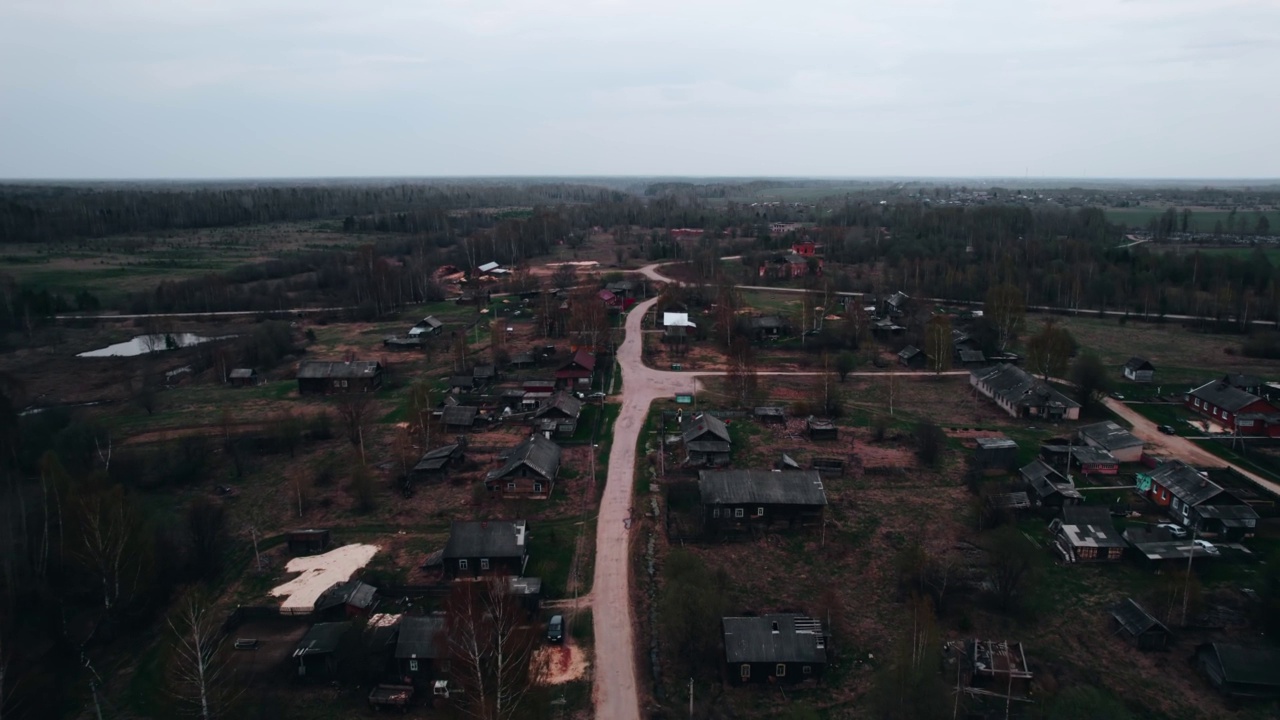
(321, 639)
(733, 487)
(1134, 619)
(1109, 435)
(1185, 482)
(753, 639)
(1224, 396)
(459, 415)
(703, 424)
(421, 637)
(486, 539)
(312, 369)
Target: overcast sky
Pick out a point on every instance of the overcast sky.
(289, 88)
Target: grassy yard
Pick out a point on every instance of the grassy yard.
(1202, 220)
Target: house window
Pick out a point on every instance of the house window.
(484, 563)
(807, 669)
(745, 671)
(337, 383)
(462, 564)
(1245, 423)
(1197, 402)
(737, 512)
(413, 666)
(780, 670)
(344, 383)
(715, 512)
(537, 487)
(511, 487)
(759, 512)
(1088, 553)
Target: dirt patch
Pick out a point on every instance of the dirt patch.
(564, 663)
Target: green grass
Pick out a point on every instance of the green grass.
(1201, 220)
(552, 552)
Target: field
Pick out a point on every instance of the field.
(1202, 219)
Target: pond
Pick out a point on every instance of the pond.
(144, 344)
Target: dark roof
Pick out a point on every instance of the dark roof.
(1134, 619)
(769, 411)
(351, 592)
(766, 322)
(313, 369)
(1139, 363)
(523, 358)
(1242, 381)
(1109, 435)
(1090, 527)
(462, 381)
(817, 424)
(770, 487)
(1229, 515)
(702, 424)
(486, 538)
(1087, 455)
(459, 415)
(621, 286)
(421, 637)
(1222, 395)
(708, 446)
(583, 358)
(1039, 470)
(541, 383)
(538, 453)
(909, 352)
(431, 321)
(1018, 387)
(1184, 482)
(436, 459)
(243, 373)
(792, 259)
(1009, 500)
(564, 402)
(996, 443)
(897, 298)
(321, 639)
(1246, 665)
(484, 372)
(968, 356)
(752, 639)
(1046, 481)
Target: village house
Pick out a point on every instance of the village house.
(321, 653)
(1195, 501)
(1139, 369)
(706, 441)
(676, 326)
(995, 454)
(785, 648)
(738, 500)
(523, 360)
(422, 653)
(1086, 534)
(897, 304)
(1240, 671)
(308, 542)
(805, 248)
(1047, 487)
(435, 463)
(318, 377)
(578, 372)
(243, 377)
(529, 470)
(787, 266)
(536, 392)
(767, 327)
(609, 299)
(1139, 626)
(427, 326)
(1238, 411)
(559, 415)
(1107, 435)
(912, 357)
(478, 548)
(1022, 395)
(459, 418)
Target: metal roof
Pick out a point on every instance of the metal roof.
(770, 487)
(459, 415)
(676, 319)
(583, 358)
(1222, 395)
(537, 453)
(1088, 455)
(753, 639)
(436, 459)
(484, 372)
(243, 373)
(708, 446)
(1244, 665)
(351, 592)
(566, 404)
(703, 424)
(769, 411)
(1242, 381)
(1139, 363)
(766, 322)
(321, 639)
(909, 352)
(1134, 619)
(488, 267)
(486, 538)
(312, 369)
(1109, 435)
(1018, 387)
(1090, 527)
(967, 356)
(1184, 482)
(996, 443)
(1229, 515)
(421, 637)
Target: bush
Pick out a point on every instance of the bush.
(930, 442)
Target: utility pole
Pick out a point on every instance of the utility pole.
(690, 698)
(1186, 585)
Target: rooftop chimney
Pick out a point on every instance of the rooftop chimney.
(775, 627)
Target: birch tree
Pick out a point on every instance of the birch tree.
(492, 647)
(110, 544)
(1007, 312)
(199, 678)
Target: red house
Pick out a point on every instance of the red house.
(807, 248)
(1238, 411)
(578, 371)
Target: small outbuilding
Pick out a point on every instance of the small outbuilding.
(1240, 671)
(1109, 436)
(1139, 369)
(821, 429)
(436, 463)
(243, 377)
(770, 415)
(308, 542)
(912, 357)
(995, 454)
(322, 651)
(1139, 627)
(421, 651)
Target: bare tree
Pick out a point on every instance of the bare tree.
(355, 409)
(1007, 312)
(110, 543)
(741, 375)
(565, 276)
(492, 648)
(198, 673)
(937, 343)
(420, 410)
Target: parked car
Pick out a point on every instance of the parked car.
(1175, 530)
(1117, 396)
(1206, 546)
(1167, 430)
(555, 629)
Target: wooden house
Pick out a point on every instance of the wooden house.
(912, 357)
(558, 415)
(436, 463)
(578, 372)
(1139, 627)
(784, 648)
(767, 327)
(1139, 369)
(1093, 461)
(459, 418)
(706, 441)
(422, 650)
(819, 429)
(529, 470)
(1238, 411)
(742, 500)
(426, 327)
(1241, 671)
(1022, 395)
(322, 653)
(1197, 502)
(318, 377)
(243, 377)
(479, 548)
(1086, 534)
(1109, 436)
(308, 542)
(1046, 487)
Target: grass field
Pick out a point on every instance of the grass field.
(1202, 219)
(1271, 253)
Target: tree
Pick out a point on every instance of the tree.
(1049, 350)
(420, 410)
(1006, 309)
(564, 276)
(845, 363)
(937, 342)
(111, 543)
(1012, 564)
(198, 672)
(741, 375)
(355, 409)
(930, 442)
(692, 602)
(492, 649)
(1090, 377)
(207, 531)
(910, 687)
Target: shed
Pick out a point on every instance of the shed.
(348, 599)
(1241, 671)
(242, 377)
(308, 542)
(1087, 534)
(995, 453)
(1047, 487)
(1139, 369)
(784, 648)
(770, 414)
(1139, 626)
(912, 356)
(435, 463)
(821, 429)
(706, 441)
(321, 652)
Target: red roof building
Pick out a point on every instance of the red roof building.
(578, 371)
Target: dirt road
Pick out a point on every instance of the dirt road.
(1181, 448)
